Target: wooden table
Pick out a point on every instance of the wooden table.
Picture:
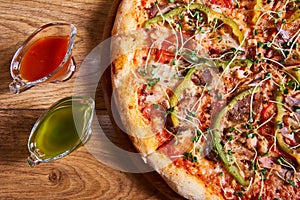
(79, 175)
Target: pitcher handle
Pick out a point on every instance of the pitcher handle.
(33, 160)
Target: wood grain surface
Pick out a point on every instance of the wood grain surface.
(79, 175)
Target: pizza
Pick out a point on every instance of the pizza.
(209, 93)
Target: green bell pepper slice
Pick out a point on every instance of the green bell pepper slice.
(297, 73)
(183, 85)
(168, 16)
(279, 137)
(179, 90)
(257, 11)
(211, 15)
(233, 170)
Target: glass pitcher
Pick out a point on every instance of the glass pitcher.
(62, 129)
(46, 56)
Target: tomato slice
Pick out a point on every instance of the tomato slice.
(267, 112)
(222, 3)
(163, 56)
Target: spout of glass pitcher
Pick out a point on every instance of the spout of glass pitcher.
(18, 85)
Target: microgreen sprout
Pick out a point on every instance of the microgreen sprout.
(283, 162)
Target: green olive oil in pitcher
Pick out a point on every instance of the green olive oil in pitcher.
(62, 129)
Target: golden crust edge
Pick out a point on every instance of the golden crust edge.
(179, 180)
(128, 18)
(139, 132)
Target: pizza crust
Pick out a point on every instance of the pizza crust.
(130, 16)
(126, 96)
(180, 180)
